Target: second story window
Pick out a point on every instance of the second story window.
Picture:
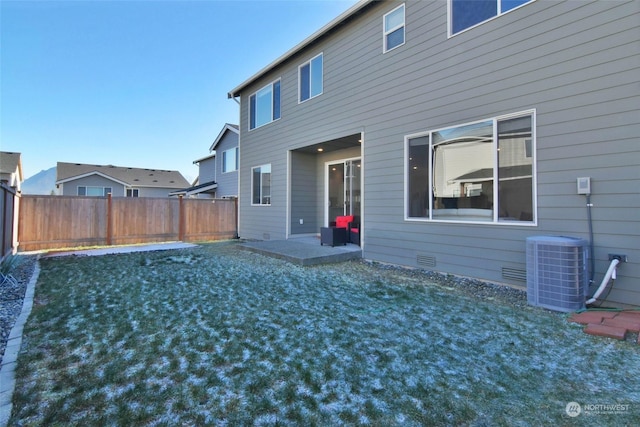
(230, 160)
(264, 105)
(394, 28)
(310, 78)
(465, 14)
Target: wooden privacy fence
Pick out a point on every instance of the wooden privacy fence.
(53, 222)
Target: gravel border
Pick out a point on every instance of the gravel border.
(479, 289)
(12, 297)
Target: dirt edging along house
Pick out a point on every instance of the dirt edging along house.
(455, 131)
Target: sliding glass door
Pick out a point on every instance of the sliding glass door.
(343, 188)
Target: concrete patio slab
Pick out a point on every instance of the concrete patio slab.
(304, 251)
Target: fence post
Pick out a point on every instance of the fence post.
(181, 219)
(235, 211)
(109, 217)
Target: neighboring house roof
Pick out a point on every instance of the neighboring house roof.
(130, 177)
(11, 168)
(228, 127)
(344, 17)
(207, 187)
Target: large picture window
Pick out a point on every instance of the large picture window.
(482, 171)
(230, 160)
(93, 191)
(393, 28)
(264, 105)
(310, 78)
(465, 14)
(261, 185)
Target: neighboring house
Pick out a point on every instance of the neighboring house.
(11, 169)
(218, 171)
(75, 179)
(455, 131)
(11, 176)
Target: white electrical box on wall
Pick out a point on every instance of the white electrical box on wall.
(584, 185)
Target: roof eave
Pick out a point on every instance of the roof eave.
(313, 37)
(84, 175)
(226, 128)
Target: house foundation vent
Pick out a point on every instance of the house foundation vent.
(426, 261)
(557, 276)
(514, 274)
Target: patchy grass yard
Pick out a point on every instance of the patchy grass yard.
(219, 336)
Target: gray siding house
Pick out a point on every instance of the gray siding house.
(11, 169)
(76, 179)
(218, 171)
(455, 131)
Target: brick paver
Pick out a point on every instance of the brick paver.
(609, 323)
(605, 331)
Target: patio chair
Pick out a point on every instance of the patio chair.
(339, 231)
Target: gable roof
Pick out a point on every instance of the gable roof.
(11, 163)
(337, 22)
(130, 177)
(228, 127)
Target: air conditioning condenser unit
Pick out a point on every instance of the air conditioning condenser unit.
(557, 276)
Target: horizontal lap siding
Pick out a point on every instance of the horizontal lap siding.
(585, 91)
(575, 63)
(304, 188)
(71, 188)
(227, 181)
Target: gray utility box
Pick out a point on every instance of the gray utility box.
(557, 276)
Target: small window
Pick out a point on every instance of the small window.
(264, 105)
(133, 192)
(394, 29)
(93, 191)
(261, 185)
(310, 78)
(230, 160)
(465, 14)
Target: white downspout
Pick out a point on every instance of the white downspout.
(611, 274)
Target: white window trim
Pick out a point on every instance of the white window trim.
(494, 220)
(256, 94)
(300, 80)
(385, 33)
(236, 162)
(93, 186)
(252, 184)
(450, 22)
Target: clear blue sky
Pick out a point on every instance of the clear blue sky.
(136, 83)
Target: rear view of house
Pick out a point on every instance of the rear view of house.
(75, 179)
(455, 130)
